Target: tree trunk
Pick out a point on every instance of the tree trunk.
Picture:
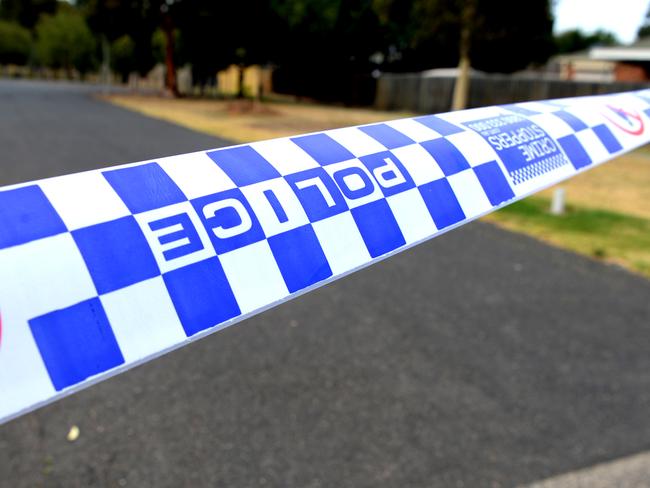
(461, 88)
(171, 82)
(240, 92)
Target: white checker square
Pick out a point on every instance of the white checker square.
(347, 176)
(470, 193)
(460, 117)
(474, 147)
(24, 380)
(357, 142)
(590, 142)
(84, 199)
(44, 275)
(37, 278)
(415, 130)
(419, 163)
(196, 174)
(342, 243)
(285, 156)
(538, 107)
(412, 215)
(191, 233)
(254, 276)
(552, 125)
(143, 319)
(587, 114)
(276, 206)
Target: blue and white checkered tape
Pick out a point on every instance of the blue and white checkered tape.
(102, 270)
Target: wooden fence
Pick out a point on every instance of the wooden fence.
(416, 93)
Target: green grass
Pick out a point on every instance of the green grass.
(600, 234)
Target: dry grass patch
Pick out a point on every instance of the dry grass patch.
(621, 185)
(247, 121)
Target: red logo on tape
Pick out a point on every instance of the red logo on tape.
(627, 120)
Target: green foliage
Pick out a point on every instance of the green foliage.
(158, 46)
(644, 29)
(15, 43)
(321, 47)
(592, 232)
(122, 59)
(65, 41)
(26, 12)
(505, 36)
(575, 40)
(137, 19)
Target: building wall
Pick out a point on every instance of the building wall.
(630, 72)
(257, 81)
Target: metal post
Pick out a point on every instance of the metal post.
(558, 201)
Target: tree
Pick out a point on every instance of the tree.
(500, 40)
(122, 59)
(206, 43)
(323, 48)
(486, 35)
(138, 19)
(65, 41)
(15, 43)
(576, 40)
(26, 12)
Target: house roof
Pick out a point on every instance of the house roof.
(638, 51)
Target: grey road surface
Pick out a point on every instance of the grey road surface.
(479, 359)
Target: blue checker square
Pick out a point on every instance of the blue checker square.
(577, 154)
(25, 215)
(386, 135)
(574, 122)
(144, 187)
(116, 254)
(378, 227)
(448, 157)
(201, 295)
(229, 220)
(244, 165)
(607, 138)
(323, 148)
(494, 183)
(442, 203)
(300, 258)
(318, 194)
(389, 172)
(76, 342)
(441, 126)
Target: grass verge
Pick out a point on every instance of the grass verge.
(601, 234)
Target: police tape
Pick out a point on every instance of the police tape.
(103, 270)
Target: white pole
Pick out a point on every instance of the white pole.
(558, 201)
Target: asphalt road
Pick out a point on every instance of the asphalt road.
(481, 358)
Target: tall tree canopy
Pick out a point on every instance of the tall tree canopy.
(575, 40)
(319, 47)
(505, 36)
(15, 43)
(26, 12)
(644, 29)
(64, 41)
